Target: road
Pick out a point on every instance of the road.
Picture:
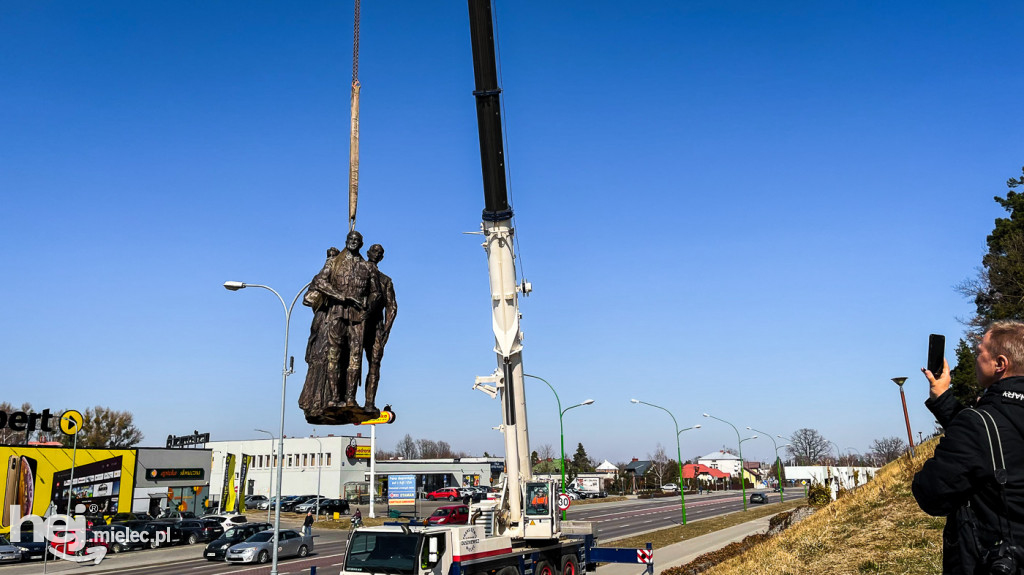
(633, 517)
(614, 520)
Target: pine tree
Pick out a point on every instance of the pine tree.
(964, 380)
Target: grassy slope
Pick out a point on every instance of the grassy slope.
(876, 529)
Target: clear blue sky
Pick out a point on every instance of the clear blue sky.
(756, 211)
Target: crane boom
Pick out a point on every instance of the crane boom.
(498, 244)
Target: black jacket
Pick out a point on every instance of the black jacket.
(958, 481)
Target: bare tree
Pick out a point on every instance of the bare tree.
(545, 452)
(888, 449)
(406, 448)
(9, 436)
(383, 455)
(807, 446)
(660, 463)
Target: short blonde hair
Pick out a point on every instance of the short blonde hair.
(1006, 337)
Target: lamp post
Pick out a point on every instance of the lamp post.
(910, 436)
(270, 488)
(778, 462)
(743, 485)
(319, 467)
(679, 453)
(561, 428)
(285, 372)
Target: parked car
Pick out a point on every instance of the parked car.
(311, 499)
(26, 543)
(171, 535)
(254, 500)
(308, 505)
(176, 515)
(449, 493)
(759, 498)
(326, 506)
(67, 547)
(196, 530)
(258, 548)
(126, 518)
(470, 494)
(119, 537)
(449, 515)
(670, 488)
(9, 553)
(218, 548)
(228, 521)
(269, 503)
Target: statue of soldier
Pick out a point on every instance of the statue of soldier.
(378, 324)
(350, 285)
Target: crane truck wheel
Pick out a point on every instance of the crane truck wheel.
(544, 568)
(508, 571)
(569, 566)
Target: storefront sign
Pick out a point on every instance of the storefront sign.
(183, 440)
(26, 421)
(176, 473)
(386, 416)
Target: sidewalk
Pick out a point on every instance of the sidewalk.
(686, 551)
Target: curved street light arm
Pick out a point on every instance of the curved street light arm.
(285, 372)
(743, 484)
(679, 455)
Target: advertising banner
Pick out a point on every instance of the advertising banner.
(227, 493)
(243, 470)
(401, 489)
(34, 477)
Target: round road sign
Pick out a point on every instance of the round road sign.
(563, 501)
(71, 422)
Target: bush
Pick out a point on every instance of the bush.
(818, 495)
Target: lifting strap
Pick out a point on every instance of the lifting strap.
(353, 150)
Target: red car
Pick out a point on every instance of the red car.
(449, 493)
(449, 514)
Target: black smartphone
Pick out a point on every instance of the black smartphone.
(936, 352)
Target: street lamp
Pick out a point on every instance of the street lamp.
(778, 462)
(679, 453)
(285, 372)
(270, 488)
(743, 484)
(910, 436)
(561, 428)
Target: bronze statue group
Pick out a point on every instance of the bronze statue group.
(353, 310)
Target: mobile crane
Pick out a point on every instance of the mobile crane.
(520, 533)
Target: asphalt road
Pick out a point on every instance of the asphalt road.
(634, 517)
(613, 520)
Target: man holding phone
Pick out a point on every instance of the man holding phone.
(958, 481)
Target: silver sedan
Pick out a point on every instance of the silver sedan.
(260, 547)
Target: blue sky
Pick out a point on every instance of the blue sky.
(756, 211)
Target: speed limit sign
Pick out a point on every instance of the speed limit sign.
(563, 501)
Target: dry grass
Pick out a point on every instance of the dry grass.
(664, 537)
(876, 529)
(610, 499)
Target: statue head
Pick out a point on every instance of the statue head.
(375, 253)
(332, 251)
(354, 241)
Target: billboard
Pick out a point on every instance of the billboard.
(33, 478)
(401, 489)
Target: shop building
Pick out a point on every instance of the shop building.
(339, 464)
